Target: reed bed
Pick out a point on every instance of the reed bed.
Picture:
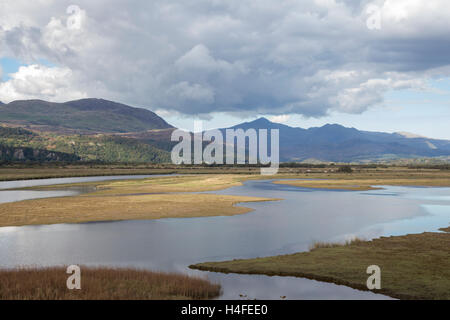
(102, 283)
(320, 244)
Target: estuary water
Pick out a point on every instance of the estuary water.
(278, 227)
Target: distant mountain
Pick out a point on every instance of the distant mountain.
(410, 135)
(336, 143)
(80, 116)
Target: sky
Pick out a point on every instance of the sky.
(379, 65)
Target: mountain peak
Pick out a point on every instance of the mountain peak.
(261, 123)
(262, 120)
(333, 125)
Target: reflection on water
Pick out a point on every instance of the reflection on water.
(277, 227)
(19, 195)
(47, 182)
(9, 195)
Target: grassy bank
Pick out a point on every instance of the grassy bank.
(189, 183)
(43, 172)
(355, 184)
(153, 185)
(25, 172)
(102, 283)
(415, 266)
(21, 172)
(153, 198)
(120, 207)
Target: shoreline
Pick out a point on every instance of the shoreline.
(424, 271)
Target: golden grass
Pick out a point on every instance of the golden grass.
(164, 184)
(152, 198)
(415, 266)
(187, 183)
(102, 283)
(346, 183)
(123, 207)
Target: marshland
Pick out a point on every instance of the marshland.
(168, 223)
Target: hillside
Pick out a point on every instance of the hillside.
(23, 154)
(105, 148)
(81, 116)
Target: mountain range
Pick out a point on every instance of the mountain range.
(102, 130)
(333, 142)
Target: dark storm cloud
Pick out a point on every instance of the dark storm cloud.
(198, 57)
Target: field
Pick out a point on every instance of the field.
(24, 172)
(102, 283)
(364, 184)
(397, 175)
(415, 266)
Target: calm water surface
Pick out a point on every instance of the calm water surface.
(277, 227)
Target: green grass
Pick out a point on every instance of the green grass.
(320, 244)
(415, 266)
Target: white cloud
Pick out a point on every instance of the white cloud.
(280, 119)
(199, 58)
(40, 82)
(248, 57)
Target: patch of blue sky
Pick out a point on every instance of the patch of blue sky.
(12, 65)
(9, 65)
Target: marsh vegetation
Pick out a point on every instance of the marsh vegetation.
(414, 266)
(102, 283)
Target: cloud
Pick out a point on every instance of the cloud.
(238, 57)
(40, 82)
(280, 119)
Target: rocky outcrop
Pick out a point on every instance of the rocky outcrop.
(23, 154)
